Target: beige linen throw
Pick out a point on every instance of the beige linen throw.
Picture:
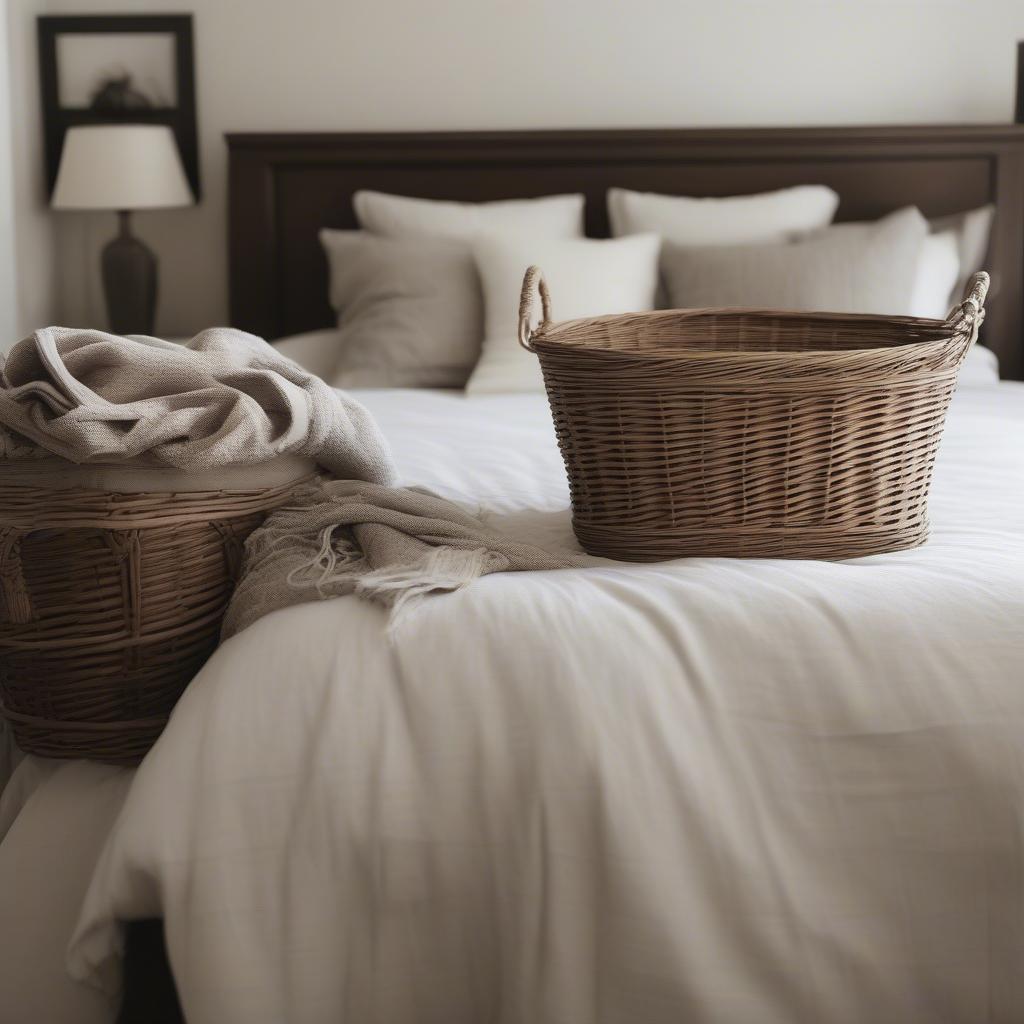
(227, 398)
(391, 545)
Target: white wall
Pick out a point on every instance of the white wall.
(8, 308)
(475, 64)
(36, 269)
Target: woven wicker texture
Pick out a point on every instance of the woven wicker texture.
(109, 605)
(751, 433)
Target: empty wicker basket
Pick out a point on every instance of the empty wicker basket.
(753, 433)
(110, 602)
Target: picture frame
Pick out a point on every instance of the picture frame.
(111, 69)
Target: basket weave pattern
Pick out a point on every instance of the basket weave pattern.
(109, 605)
(746, 432)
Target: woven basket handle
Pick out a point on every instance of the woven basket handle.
(966, 317)
(533, 276)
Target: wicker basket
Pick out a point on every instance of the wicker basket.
(752, 433)
(109, 605)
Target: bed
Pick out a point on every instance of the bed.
(802, 802)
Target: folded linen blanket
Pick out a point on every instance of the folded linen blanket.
(227, 398)
(390, 545)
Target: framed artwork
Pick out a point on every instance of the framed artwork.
(110, 69)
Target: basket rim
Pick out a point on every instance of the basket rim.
(84, 508)
(117, 726)
(547, 334)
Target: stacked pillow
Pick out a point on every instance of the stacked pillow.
(971, 232)
(427, 291)
(405, 217)
(780, 250)
(586, 277)
(406, 288)
(846, 268)
(410, 312)
(732, 220)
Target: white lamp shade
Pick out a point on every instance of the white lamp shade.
(120, 167)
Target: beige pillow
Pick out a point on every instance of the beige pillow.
(972, 229)
(410, 312)
(846, 268)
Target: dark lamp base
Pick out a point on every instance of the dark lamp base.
(129, 282)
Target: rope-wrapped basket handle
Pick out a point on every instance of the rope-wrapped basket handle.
(533, 277)
(967, 316)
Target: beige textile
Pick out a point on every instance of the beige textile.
(391, 545)
(226, 398)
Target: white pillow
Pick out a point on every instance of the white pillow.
(405, 217)
(938, 269)
(586, 277)
(733, 220)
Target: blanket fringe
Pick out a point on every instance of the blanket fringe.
(334, 562)
(403, 587)
(392, 546)
(336, 567)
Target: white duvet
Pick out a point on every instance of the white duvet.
(760, 792)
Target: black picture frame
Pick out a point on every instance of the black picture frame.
(181, 118)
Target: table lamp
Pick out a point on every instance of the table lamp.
(123, 167)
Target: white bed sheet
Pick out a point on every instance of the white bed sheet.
(54, 819)
(709, 790)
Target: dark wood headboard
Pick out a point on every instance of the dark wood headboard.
(284, 187)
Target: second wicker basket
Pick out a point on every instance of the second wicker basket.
(111, 601)
(755, 433)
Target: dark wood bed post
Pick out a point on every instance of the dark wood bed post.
(1019, 110)
(149, 995)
